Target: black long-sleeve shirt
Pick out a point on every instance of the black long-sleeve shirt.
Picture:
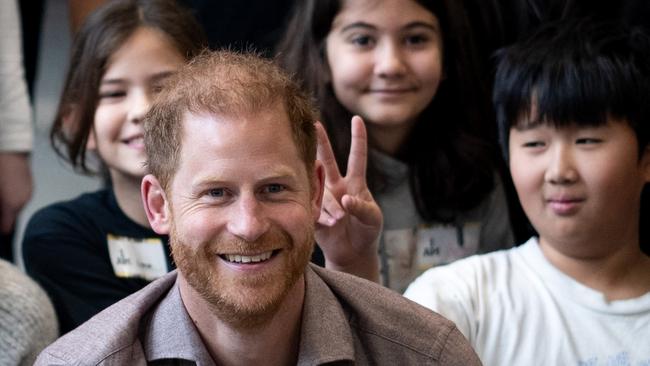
(66, 249)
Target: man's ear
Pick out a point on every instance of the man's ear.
(156, 204)
(318, 188)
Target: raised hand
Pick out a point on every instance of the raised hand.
(350, 222)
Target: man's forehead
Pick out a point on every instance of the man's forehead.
(259, 135)
(237, 150)
(262, 173)
(272, 114)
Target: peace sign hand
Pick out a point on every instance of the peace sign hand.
(350, 222)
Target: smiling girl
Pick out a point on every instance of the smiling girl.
(98, 248)
(408, 69)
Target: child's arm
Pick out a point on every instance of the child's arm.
(350, 223)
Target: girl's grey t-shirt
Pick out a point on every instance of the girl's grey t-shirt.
(409, 245)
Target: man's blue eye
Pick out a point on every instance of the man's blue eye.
(216, 192)
(274, 188)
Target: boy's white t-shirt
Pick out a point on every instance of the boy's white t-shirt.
(517, 309)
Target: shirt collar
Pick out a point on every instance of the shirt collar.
(326, 335)
(171, 334)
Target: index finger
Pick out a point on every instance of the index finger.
(325, 154)
(358, 158)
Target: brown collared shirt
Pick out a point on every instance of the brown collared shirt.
(345, 321)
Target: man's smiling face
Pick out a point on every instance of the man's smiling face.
(243, 208)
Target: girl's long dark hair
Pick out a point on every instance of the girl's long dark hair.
(451, 150)
(105, 30)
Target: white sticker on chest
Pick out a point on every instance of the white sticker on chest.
(440, 244)
(143, 258)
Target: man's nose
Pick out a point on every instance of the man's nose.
(561, 167)
(248, 220)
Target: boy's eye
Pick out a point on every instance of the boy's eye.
(533, 144)
(588, 140)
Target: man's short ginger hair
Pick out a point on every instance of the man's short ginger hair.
(224, 83)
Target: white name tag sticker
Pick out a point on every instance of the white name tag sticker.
(143, 258)
(442, 244)
(410, 252)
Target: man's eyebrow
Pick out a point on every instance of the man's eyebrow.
(202, 182)
(280, 171)
(280, 176)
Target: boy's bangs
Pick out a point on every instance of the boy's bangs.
(559, 97)
(579, 73)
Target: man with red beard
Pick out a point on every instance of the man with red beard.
(235, 183)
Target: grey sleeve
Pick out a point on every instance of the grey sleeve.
(27, 319)
(46, 359)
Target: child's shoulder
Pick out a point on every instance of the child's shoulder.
(85, 208)
(467, 276)
(83, 202)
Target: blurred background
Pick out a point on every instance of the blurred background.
(53, 179)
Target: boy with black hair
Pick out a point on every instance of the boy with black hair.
(572, 104)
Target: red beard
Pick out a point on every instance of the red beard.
(242, 299)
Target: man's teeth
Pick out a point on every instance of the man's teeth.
(248, 259)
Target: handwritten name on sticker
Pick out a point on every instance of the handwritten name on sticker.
(143, 258)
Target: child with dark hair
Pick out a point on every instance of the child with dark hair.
(92, 251)
(408, 68)
(572, 104)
